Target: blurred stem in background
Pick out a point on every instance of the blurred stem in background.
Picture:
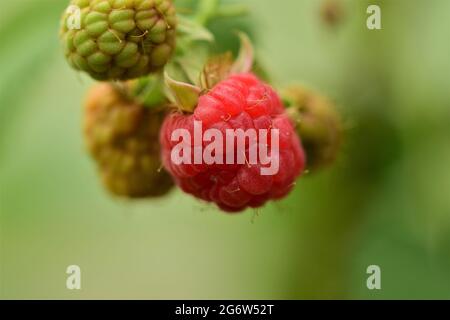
(329, 235)
(209, 10)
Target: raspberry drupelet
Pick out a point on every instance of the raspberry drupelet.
(241, 101)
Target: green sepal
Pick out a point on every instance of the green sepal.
(246, 58)
(185, 95)
(215, 70)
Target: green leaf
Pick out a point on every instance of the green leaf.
(193, 31)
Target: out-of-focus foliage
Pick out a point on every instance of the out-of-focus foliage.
(385, 202)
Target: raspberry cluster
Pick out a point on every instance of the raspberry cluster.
(136, 44)
(240, 102)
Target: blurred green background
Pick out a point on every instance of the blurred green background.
(386, 202)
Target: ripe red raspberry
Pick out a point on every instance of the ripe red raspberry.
(241, 101)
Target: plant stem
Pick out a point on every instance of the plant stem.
(232, 10)
(206, 10)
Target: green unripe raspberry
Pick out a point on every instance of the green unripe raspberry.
(122, 137)
(119, 39)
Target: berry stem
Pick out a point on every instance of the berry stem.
(206, 10)
(232, 10)
(152, 91)
(294, 115)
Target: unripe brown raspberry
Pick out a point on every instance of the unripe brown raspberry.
(119, 39)
(122, 137)
(318, 125)
(332, 12)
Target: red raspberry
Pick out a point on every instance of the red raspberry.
(240, 102)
